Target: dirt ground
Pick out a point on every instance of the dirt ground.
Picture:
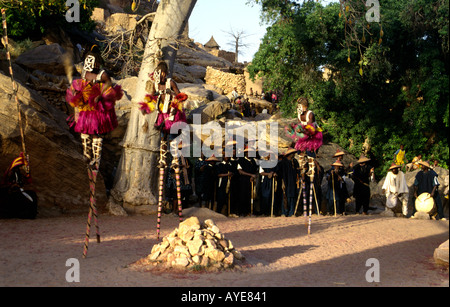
(278, 251)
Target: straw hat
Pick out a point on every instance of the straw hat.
(363, 159)
(337, 163)
(338, 153)
(290, 151)
(212, 159)
(183, 145)
(393, 166)
(231, 143)
(425, 163)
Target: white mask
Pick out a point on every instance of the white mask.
(89, 63)
(157, 76)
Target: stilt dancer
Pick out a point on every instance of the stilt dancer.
(93, 98)
(165, 97)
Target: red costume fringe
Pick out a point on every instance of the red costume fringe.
(94, 117)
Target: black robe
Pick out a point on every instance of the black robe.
(222, 182)
(245, 186)
(361, 189)
(266, 191)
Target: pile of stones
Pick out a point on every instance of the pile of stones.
(194, 245)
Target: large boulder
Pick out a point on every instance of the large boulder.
(441, 254)
(46, 58)
(210, 111)
(57, 168)
(192, 55)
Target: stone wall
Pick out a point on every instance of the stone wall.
(225, 81)
(227, 55)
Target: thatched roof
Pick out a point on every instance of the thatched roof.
(212, 43)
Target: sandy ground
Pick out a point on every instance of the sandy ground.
(278, 250)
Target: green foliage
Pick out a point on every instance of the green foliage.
(391, 91)
(30, 18)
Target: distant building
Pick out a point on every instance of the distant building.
(212, 45)
(213, 48)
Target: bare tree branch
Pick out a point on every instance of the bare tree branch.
(237, 43)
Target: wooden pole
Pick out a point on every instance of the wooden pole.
(273, 196)
(334, 197)
(162, 166)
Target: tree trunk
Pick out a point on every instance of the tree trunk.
(137, 173)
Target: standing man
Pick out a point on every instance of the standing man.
(426, 181)
(233, 191)
(343, 192)
(234, 95)
(288, 171)
(396, 189)
(248, 170)
(199, 175)
(267, 187)
(362, 174)
(334, 188)
(223, 171)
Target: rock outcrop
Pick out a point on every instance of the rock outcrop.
(441, 254)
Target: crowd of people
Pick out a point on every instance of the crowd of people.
(241, 102)
(404, 164)
(240, 186)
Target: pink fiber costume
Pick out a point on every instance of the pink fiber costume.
(95, 118)
(308, 137)
(165, 120)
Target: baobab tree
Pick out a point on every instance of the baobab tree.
(136, 177)
(237, 41)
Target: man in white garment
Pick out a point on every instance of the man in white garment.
(396, 189)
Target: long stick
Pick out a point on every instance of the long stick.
(334, 197)
(311, 186)
(315, 197)
(310, 206)
(305, 208)
(298, 199)
(92, 211)
(273, 196)
(178, 183)
(93, 200)
(251, 207)
(88, 230)
(162, 166)
(229, 194)
(15, 89)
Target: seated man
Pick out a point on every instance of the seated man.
(415, 163)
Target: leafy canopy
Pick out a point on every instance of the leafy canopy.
(31, 18)
(373, 86)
